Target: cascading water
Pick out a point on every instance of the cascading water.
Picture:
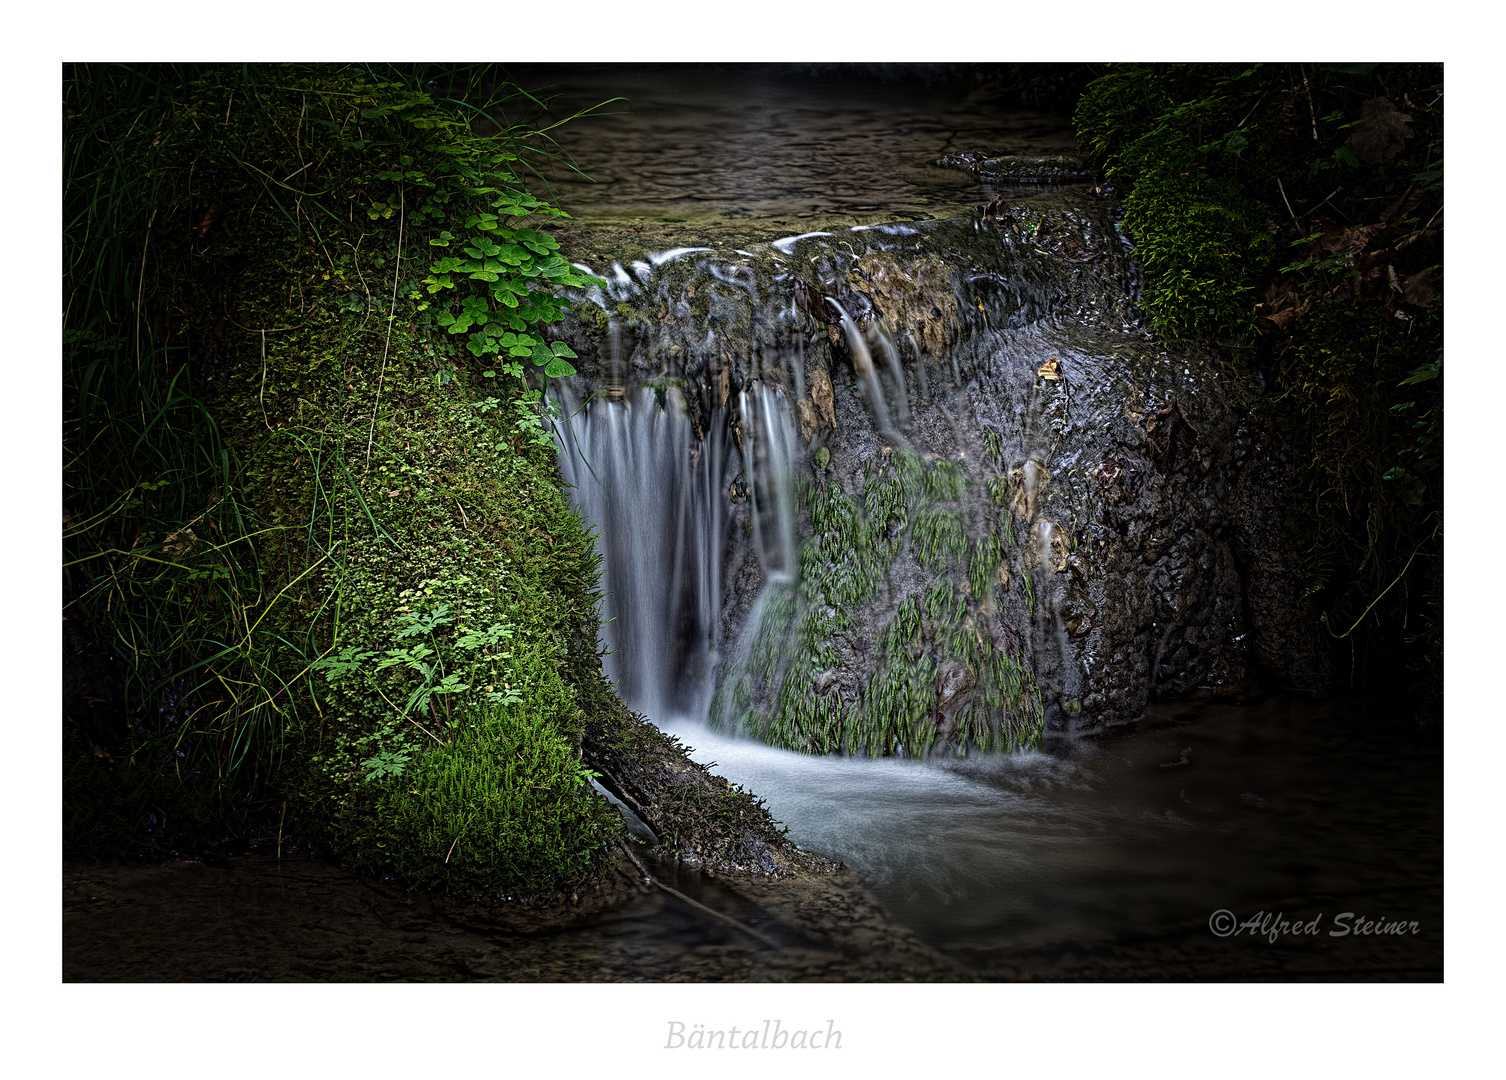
(798, 549)
(652, 495)
(868, 379)
(768, 445)
(682, 447)
(988, 540)
(658, 500)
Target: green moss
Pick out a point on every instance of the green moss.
(351, 471)
(469, 812)
(938, 540)
(850, 553)
(993, 444)
(946, 482)
(1303, 202)
(983, 565)
(1203, 241)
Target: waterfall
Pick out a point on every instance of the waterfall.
(661, 503)
(862, 366)
(768, 458)
(883, 341)
(652, 495)
(815, 602)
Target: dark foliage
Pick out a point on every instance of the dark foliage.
(1294, 213)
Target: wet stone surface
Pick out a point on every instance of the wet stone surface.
(258, 920)
(1083, 495)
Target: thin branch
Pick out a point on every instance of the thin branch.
(261, 393)
(141, 286)
(1288, 202)
(1378, 599)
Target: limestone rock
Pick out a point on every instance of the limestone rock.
(822, 396)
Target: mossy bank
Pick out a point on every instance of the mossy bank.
(322, 586)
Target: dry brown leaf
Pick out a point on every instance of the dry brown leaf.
(1382, 133)
(210, 217)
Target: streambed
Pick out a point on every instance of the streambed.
(1107, 858)
(1102, 859)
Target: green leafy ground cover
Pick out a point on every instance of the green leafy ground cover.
(321, 581)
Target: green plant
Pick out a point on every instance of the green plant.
(806, 628)
(473, 657)
(1295, 212)
(253, 231)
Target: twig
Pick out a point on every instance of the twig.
(1325, 199)
(458, 835)
(628, 851)
(141, 286)
(268, 330)
(621, 792)
(261, 393)
(1311, 111)
(1288, 202)
(1252, 110)
(1384, 591)
(425, 730)
(717, 915)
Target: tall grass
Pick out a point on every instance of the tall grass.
(194, 620)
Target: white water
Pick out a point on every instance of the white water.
(769, 449)
(652, 494)
(658, 500)
(921, 833)
(1118, 850)
(862, 366)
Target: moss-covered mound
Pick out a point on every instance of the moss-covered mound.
(322, 581)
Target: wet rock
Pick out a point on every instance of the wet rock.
(1160, 566)
(815, 304)
(1054, 546)
(953, 679)
(1172, 438)
(1023, 170)
(917, 300)
(1033, 478)
(809, 421)
(823, 397)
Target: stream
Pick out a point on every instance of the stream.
(1119, 856)
(1103, 860)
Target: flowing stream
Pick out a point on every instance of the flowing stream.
(1095, 858)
